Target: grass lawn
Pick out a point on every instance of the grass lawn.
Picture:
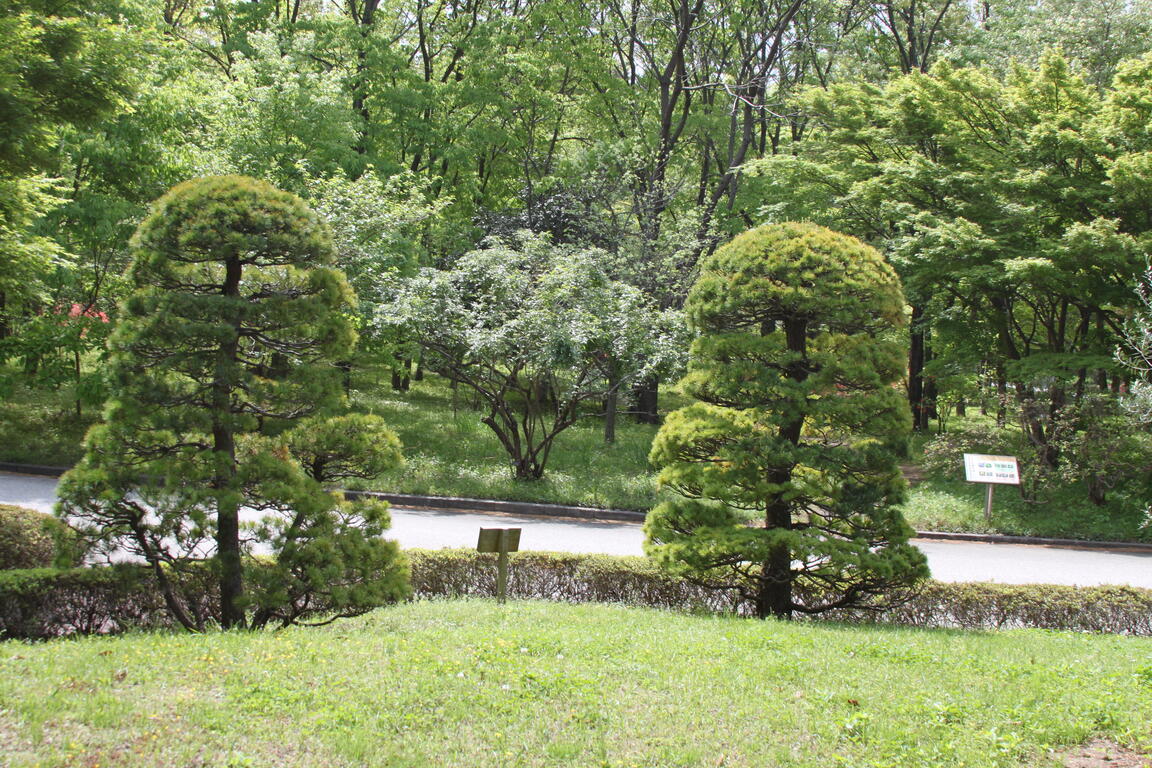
(537, 684)
(450, 453)
(953, 505)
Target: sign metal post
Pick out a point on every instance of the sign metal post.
(501, 541)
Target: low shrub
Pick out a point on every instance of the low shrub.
(46, 603)
(944, 453)
(563, 577)
(1114, 609)
(31, 539)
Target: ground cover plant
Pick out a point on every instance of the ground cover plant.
(37, 425)
(465, 683)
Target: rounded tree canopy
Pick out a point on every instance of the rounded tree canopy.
(218, 218)
(781, 272)
(234, 288)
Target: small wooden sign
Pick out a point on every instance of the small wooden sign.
(498, 540)
(502, 541)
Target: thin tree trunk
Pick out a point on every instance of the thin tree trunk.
(1001, 395)
(76, 372)
(931, 390)
(916, 369)
(610, 408)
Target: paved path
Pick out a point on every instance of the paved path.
(949, 560)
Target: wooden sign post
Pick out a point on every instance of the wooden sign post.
(992, 471)
(501, 541)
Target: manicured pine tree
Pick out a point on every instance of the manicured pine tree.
(787, 463)
(226, 342)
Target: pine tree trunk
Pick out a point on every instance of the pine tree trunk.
(224, 482)
(775, 588)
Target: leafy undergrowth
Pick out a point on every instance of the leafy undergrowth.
(466, 683)
(448, 452)
(954, 505)
(40, 426)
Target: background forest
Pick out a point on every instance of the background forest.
(520, 192)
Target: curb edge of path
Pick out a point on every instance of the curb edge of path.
(536, 509)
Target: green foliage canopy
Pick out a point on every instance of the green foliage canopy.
(1012, 207)
(535, 330)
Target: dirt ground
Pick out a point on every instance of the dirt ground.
(1104, 754)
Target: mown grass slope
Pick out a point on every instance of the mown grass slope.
(467, 683)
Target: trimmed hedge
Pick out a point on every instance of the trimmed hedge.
(47, 603)
(638, 581)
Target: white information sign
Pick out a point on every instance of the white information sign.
(1002, 470)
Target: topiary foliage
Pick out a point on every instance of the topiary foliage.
(227, 340)
(785, 464)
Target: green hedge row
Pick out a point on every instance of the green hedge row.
(46, 603)
(637, 581)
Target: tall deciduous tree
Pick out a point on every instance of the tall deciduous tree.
(1007, 205)
(785, 464)
(59, 68)
(227, 339)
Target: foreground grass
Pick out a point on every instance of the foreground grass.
(535, 684)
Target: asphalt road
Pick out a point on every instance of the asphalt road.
(949, 560)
